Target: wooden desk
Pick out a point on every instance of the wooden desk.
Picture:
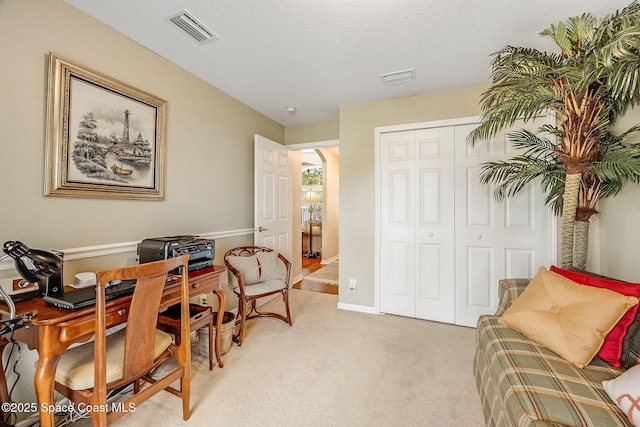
(54, 329)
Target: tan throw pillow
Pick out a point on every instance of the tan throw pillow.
(568, 318)
(261, 267)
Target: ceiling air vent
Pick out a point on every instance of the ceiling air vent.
(192, 27)
(396, 77)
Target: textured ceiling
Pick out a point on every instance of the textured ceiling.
(318, 55)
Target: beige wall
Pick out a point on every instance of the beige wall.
(209, 139)
(357, 175)
(619, 232)
(296, 188)
(311, 132)
(330, 203)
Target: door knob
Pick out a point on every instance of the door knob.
(479, 236)
(430, 234)
(260, 229)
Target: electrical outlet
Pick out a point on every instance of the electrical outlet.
(353, 286)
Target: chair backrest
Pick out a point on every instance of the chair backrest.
(142, 317)
(246, 251)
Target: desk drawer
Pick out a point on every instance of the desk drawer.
(198, 285)
(71, 331)
(204, 284)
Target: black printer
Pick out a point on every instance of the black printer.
(201, 251)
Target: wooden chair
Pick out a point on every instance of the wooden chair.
(87, 373)
(258, 273)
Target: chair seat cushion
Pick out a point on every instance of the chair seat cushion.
(76, 370)
(262, 287)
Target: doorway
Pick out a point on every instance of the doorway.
(318, 204)
(311, 205)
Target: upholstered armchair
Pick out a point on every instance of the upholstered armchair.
(258, 272)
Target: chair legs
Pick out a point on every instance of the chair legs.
(247, 310)
(240, 320)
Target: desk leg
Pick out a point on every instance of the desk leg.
(222, 299)
(48, 357)
(44, 384)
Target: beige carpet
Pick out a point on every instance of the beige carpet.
(327, 274)
(332, 368)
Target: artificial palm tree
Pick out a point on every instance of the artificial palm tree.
(588, 86)
(616, 162)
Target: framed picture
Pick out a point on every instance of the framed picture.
(104, 138)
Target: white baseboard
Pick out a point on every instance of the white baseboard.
(329, 261)
(358, 308)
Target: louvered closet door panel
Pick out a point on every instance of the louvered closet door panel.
(493, 240)
(434, 232)
(397, 223)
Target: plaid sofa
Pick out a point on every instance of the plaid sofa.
(522, 383)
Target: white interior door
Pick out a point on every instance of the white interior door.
(417, 226)
(273, 206)
(494, 240)
(397, 223)
(435, 226)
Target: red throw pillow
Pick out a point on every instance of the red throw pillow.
(611, 349)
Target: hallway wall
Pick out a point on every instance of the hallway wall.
(331, 204)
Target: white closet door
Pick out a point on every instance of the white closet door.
(417, 223)
(493, 240)
(444, 240)
(397, 223)
(434, 235)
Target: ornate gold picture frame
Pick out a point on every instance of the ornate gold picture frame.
(104, 138)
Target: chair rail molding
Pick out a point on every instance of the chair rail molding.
(71, 254)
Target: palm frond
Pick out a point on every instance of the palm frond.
(616, 51)
(620, 164)
(624, 79)
(523, 88)
(610, 188)
(633, 129)
(550, 129)
(574, 38)
(533, 145)
(513, 175)
(552, 185)
(610, 141)
(618, 35)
